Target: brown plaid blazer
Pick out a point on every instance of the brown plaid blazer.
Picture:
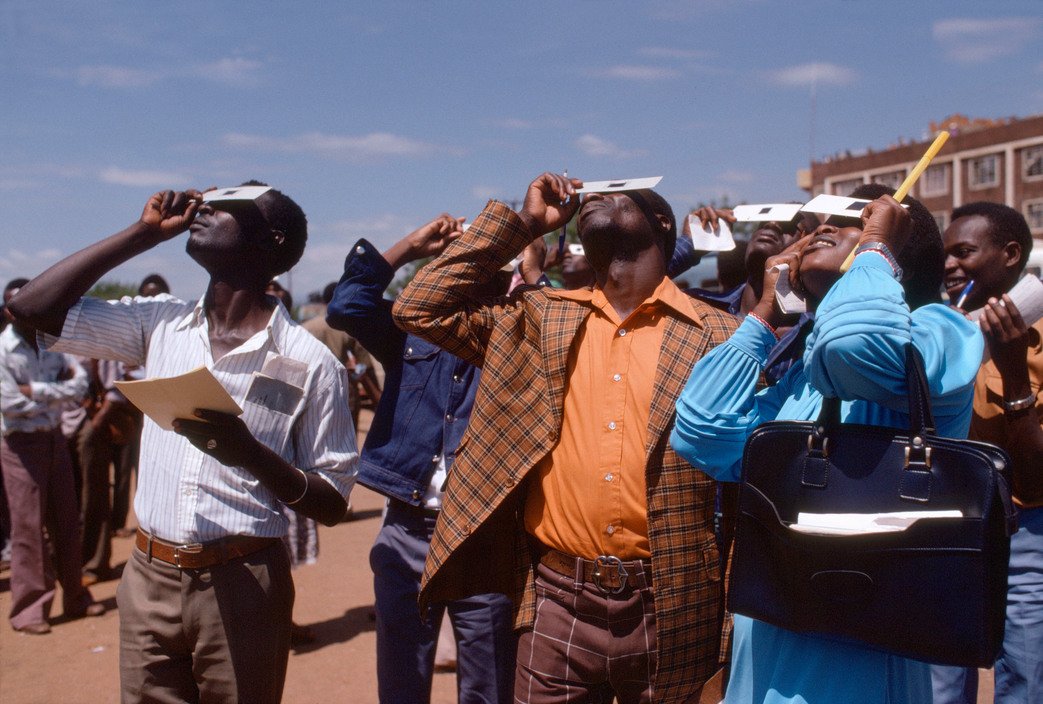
(522, 343)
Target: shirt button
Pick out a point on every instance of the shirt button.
(360, 250)
(617, 377)
(409, 350)
(612, 425)
(449, 417)
(416, 494)
(609, 477)
(436, 458)
(610, 530)
(456, 378)
(622, 333)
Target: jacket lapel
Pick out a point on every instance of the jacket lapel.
(683, 344)
(561, 322)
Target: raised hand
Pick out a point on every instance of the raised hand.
(550, 203)
(1007, 336)
(431, 239)
(710, 216)
(169, 213)
(886, 221)
(766, 307)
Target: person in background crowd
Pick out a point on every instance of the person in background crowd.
(564, 490)
(153, 285)
(38, 476)
(206, 597)
(989, 244)
(409, 452)
(864, 320)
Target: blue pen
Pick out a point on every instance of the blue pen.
(966, 292)
(561, 236)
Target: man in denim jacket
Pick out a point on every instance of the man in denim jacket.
(419, 422)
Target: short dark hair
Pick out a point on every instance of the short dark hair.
(659, 206)
(283, 214)
(15, 283)
(154, 280)
(923, 257)
(1005, 225)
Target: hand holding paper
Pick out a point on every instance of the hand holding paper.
(165, 400)
(169, 213)
(550, 203)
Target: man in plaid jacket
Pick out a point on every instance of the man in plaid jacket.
(565, 493)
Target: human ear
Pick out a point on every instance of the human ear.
(1012, 254)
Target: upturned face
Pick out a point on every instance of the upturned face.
(614, 225)
(972, 255)
(821, 259)
(228, 231)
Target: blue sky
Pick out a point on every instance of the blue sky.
(376, 117)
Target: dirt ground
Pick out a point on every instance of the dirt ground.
(77, 663)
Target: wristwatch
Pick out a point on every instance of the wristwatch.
(1021, 404)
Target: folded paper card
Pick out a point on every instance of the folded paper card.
(789, 301)
(623, 184)
(864, 523)
(166, 399)
(766, 212)
(705, 239)
(1027, 295)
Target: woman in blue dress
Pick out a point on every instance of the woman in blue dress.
(856, 352)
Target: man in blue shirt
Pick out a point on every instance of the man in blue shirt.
(410, 447)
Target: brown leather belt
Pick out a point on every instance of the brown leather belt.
(197, 556)
(608, 573)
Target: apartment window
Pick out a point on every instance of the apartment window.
(1033, 210)
(842, 188)
(984, 172)
(942, 218)
(935, 181)
(892, 179)
(1032, 163)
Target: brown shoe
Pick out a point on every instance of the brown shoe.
(35, 629)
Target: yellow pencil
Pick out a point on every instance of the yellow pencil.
(909, 181)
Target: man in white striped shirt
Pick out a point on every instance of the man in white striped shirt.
(206, 597)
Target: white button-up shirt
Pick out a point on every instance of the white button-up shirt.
(20, 364)
(184, 495)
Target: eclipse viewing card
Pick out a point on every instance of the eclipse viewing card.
(766, 212)
(247, 193)
(837, 205)
(624, 184)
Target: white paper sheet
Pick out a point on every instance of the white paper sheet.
(706, 240)
(789, 301)
(837, 205)
(766, 212)
(166, 399)
(864, 523)
(623, 184)
(1027, 295)
(235, 193)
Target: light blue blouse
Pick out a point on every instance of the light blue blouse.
(856, 352)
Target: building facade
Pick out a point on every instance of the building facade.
(993, 160)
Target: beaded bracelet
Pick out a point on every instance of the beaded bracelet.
(764, 322)
(884, 251)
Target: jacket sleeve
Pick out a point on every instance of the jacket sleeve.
(359, 308)
(857, 348)
(443, 303)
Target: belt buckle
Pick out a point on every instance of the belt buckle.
(606, 561)
(188, 549)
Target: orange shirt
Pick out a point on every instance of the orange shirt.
(587, 496)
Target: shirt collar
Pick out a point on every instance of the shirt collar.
(666, 293)
(276, 328)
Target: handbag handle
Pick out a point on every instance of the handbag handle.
(921, 418)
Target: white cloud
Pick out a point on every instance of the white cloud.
(635, 72)
(107, 76)
(16, 262)
(970, 41)
(144, 178)
(375, 144)
(592, 145)
(814, 74)
(232, 71)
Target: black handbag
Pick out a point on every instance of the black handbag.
(935, 591)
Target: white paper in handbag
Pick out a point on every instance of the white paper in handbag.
(864, 523)
(706, 240)
(1027, 295)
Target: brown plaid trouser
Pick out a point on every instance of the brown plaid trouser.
(585, 646)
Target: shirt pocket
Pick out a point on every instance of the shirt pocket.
(270, 408)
